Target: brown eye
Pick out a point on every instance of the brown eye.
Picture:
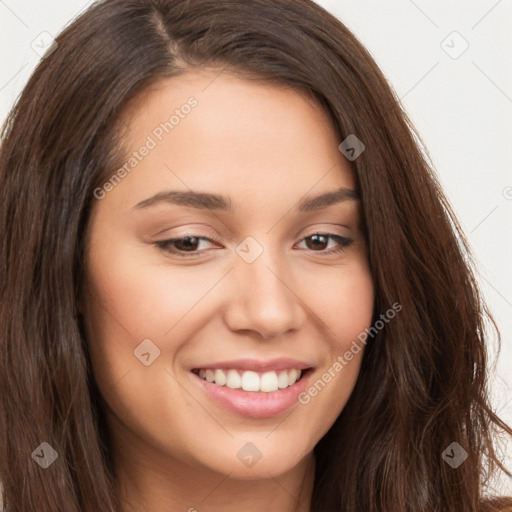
(319, 242)
(188, 243)
(188, 246)
(183, 246)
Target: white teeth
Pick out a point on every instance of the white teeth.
(268, 382)
(282, 380)
(292, 376)
(250, 380)
(220, 378)
(233, 379)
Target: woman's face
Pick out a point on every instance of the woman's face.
(262, 280)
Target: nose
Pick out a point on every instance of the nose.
(264, 298)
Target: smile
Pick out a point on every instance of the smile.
(250, 393)
(248, 380)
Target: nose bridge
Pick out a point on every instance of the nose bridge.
(264, 301)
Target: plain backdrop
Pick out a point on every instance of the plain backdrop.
(449, 63)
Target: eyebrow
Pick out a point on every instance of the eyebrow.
(207, 201)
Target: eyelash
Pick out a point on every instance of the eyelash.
(166, 245)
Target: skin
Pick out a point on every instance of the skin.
(266, 147)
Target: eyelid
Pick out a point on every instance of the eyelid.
(343, 242)
(193, 229)
(190, 232)
(230, 236)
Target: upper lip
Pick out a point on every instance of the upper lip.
(281, 363)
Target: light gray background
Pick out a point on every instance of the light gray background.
(460, 102)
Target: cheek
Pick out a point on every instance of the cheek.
(343, 300)
(141, 294)
(342, 297)
(136, 295)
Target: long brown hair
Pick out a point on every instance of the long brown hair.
(422, 384)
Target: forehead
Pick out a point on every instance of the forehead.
(219, 132)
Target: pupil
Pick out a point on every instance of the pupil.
(185, 245)
(316, 238)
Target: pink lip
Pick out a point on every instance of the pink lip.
(281, 363)
(255, 404)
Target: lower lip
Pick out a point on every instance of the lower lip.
(255, 404)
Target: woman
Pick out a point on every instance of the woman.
(229, 278)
